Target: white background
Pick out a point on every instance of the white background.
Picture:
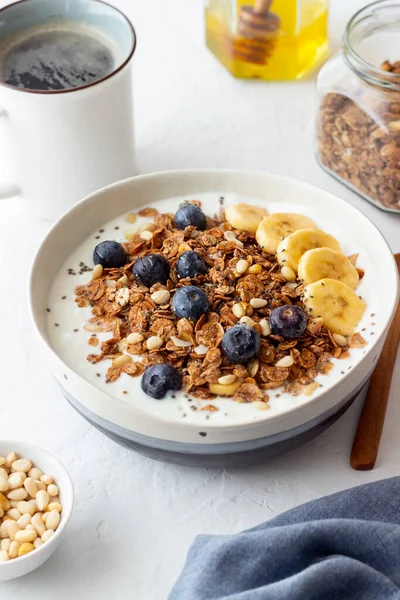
(135, 519)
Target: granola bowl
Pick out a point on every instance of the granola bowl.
(100, 329)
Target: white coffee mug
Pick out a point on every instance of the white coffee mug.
(64, 144)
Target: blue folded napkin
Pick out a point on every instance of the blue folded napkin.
(341, 547)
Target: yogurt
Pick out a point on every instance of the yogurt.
(65, 321)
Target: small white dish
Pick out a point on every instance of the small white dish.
(17, 567)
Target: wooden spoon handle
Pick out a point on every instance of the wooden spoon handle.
(369, 431)
(262, 6)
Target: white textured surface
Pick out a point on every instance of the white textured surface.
(134, 518)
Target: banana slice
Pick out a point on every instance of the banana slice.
(336, 303)
(224, 390)
(324, 262)
(292, 248)
(273, 228)
(245, 216)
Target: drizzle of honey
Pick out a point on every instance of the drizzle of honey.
(297, 49)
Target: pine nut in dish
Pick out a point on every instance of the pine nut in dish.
(21, 521)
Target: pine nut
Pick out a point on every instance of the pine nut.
(227, 379)
(154, 342)
(53, 520)
(131, 218)
(4, 485)
(2, 460)
(255, 269)
(247, 321)
(26, 535)
(39, 485)
(339, 339)
(1, 513)
(134, 338)
(42, 499)
(47, 535)
(161, 296)
(26, 508)
(3, 473)
(52, 490)
(4, 556)
(13, 503)
(288, 273)
(258, 302)
(38, 542)
(14, 513)
(24, 520)
(4, 502)
(38, 524)
(23, 464)
(12, 457)
(14, 549)
(146, 235)
(238, 310)
(25, 548)
(46, 479)
(4, 529)
(5, 544)
(18, 494)
(310, 388)
(265, 327)
(97, 271)
(286, 361)
(54, 506)
(31, 487)
(13, 530)
(261, 405)
(241, 266)
(54, 499)
(35, 473)
(147, 227)
(253, 367)
(119, 362)
(15, 481)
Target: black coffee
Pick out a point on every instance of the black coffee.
(55, 60)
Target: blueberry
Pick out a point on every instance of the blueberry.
(151, 269)
(241, 343)
(190, 214)
(190, 264)
(288, 321)
(190, 302)
(159, 379)
(109, 255)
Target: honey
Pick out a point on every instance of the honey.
(264, 39)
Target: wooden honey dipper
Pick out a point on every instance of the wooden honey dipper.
(258, 22)
(258, 29)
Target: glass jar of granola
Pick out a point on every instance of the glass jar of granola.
(358, 115)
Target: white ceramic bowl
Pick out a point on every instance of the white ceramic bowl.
(47, 463)
(217, 442)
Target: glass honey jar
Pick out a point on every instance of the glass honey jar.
(268, 39)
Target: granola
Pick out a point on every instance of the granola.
(238, 271)
(359, 139)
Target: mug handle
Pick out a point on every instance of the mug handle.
(7, 189)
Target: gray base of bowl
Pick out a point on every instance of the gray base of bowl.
(215, 455)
